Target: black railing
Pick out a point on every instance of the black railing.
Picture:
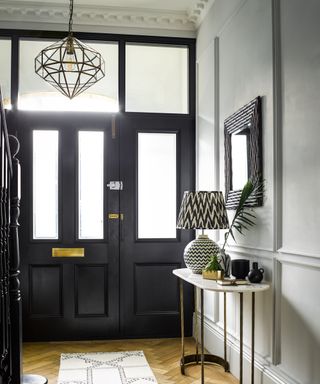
(10, 299)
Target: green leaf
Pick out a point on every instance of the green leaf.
(249, 214)
(245, 220)
(232, 235)
(242, 219)
(213, 264)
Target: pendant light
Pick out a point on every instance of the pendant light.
(69, 65)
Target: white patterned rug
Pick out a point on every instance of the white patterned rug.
(105, 368)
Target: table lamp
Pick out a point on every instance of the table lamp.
(201, 210)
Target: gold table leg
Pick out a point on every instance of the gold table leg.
(196, 322)
(241, 339)
(202, 337)
(252, 336)
(226, 366)
(202, 357)
(182, 361)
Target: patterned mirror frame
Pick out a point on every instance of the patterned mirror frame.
(246, 118)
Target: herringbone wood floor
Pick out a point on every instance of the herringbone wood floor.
(162, 354)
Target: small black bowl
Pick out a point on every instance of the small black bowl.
(240, 268)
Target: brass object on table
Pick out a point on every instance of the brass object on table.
(213, 275)
(67, 252)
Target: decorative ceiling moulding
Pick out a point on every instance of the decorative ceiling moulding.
(24, 12)
(199, 10)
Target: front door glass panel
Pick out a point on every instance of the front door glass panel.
(45, 184)
(157, 181)
(90, 185)
(5, 71)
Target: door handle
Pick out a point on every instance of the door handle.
(121, 228)
(113, 216)
(117, 216)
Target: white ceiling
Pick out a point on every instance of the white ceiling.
(171, 15)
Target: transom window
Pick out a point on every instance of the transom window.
(37, 95)
(156, 78)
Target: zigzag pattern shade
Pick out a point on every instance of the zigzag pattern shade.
(203, 210)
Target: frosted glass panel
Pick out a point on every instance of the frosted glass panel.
(37, 94)
(91, 156)
(156, 79)
(157, 185)
(45, 184)
(5, 71)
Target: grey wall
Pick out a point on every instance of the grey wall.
(269, 48)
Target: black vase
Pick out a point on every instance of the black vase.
(240, 268)
(256, 274)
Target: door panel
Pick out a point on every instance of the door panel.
(45, 282)
(149, 293)
(69, 298)
(93, 279)
(155, 301)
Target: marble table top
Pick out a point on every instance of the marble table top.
(211, 285)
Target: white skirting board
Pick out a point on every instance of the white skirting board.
(265, 372)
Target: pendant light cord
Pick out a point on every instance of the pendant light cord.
(71, 18)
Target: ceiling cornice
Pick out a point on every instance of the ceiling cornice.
(53, 13)
(199, 10)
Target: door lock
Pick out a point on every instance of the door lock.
(115, 185)
(115, 216)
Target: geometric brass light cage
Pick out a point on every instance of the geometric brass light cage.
(70, 65)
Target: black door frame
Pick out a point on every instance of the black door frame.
(16, 35)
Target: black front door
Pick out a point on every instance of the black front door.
(157, 166)
(97, 258)
(69, 247)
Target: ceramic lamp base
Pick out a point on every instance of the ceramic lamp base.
(198, 252)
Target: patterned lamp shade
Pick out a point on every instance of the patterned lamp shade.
(203, 210)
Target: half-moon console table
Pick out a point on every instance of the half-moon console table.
(197, 281)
